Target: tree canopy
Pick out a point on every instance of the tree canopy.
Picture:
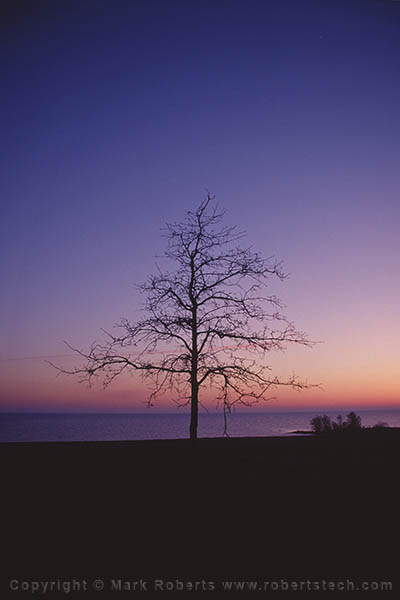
(207, 320)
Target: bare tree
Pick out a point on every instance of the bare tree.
(206, 321)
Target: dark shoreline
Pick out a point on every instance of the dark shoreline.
(291, 506)
(366, 431)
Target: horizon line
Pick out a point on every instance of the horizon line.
(205, 412)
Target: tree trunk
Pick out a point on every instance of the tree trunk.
(194, 402)
(194, 410)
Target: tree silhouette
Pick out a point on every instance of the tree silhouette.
(353, 421)
(324, 424)
(207, 320)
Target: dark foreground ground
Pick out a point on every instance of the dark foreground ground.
(265, 509)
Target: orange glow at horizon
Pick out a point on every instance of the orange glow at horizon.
(353, 372)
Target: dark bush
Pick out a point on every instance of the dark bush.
(353, 421)
(323, 423)
(380, 425)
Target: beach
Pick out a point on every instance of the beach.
(269, 509)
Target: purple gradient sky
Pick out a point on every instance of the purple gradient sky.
(116, 117)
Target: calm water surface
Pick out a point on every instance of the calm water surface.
(23, 427)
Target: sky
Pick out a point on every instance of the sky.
(117, 116)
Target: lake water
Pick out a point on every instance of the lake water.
(23, 427)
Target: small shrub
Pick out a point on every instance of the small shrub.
(316, 424)
(353, 421)
(380, 425)
(336, 425)
(326, 423)
(321, 424)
